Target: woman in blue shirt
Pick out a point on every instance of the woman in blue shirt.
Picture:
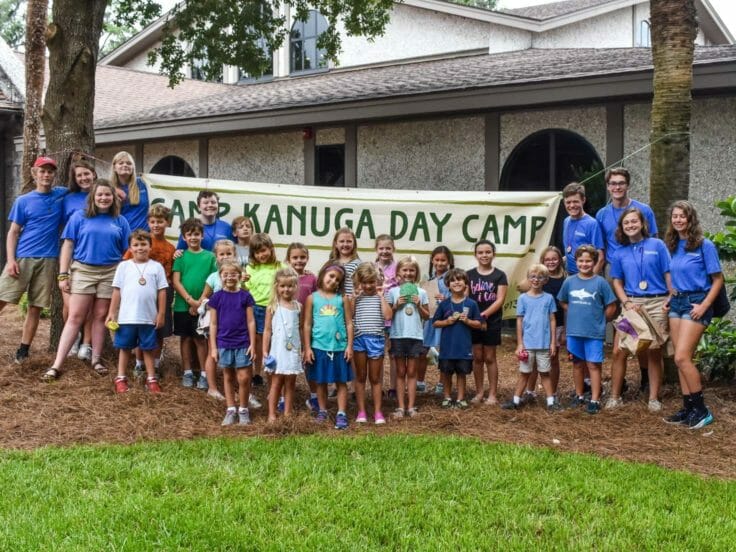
(135, 194)
(697, 279)
(640, 269)
(94, 243)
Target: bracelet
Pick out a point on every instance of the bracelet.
(62, 277)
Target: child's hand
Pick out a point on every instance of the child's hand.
(246, 277)
(214, 354)
(348, 354)
(159, 320)
(401, 301)
(308, 355)
(552, 350)
(110, 318)
(451, 319)
(415, 299)
(193, 311)
(249, 352)
(519, 348)
(64, 286)
(178, 253)
(439, 297)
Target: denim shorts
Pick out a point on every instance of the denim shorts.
(233, 358)
(130, 336)
(372, 345)
(259, 313)
(682, 303)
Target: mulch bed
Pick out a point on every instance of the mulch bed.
(82, 408)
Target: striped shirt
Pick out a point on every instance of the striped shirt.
(368, 318)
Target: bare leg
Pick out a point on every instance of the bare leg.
(273, 396)
(185, 349)
(461, 383)
(578, 376)
(490, 358)
(342, 397)
(549, 389)
(411, 380)
(78, 308)
(595, 380)
(30, 324)
(360, 362)
(655, 373)
(99, 313)
(200, 344)
(375, 374)
(148, 362)
(618, 368)
(685, 337)
(228, 378)
(400, 380)
(123, 359)
(289, 391)
(322, 396)
(478, 371)
(244, 376)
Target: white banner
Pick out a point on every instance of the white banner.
(519, 223)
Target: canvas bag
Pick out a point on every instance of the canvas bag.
(638, 331)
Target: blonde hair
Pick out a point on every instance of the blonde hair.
(286, 273)
(134, 194)
(411, 261)
(366, 272)
(224, 243)
(227, 263)
(538, 269)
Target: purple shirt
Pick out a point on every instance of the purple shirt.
(307, 286)
(232, 321)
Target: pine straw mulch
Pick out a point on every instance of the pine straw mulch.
(82, 408)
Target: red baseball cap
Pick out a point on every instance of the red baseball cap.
(41, 161)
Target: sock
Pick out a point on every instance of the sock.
(550, 400)
(697, 402)
(517, 399)
(313, 395)
(189, 371)
(24, 347)
(231, 409)
(242, 409)
(138, 363)
(281, 398)
(339, 412)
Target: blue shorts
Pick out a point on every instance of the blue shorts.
(233, 358)
(130, 336)
(329, 367)
(259, 313)
(372, 345)
(682, 303)
(585, 348)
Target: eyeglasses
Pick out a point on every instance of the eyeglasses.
(535, 278)
(617, 183)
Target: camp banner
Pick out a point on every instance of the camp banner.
(519, 223)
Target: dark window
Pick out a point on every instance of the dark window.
(303, 52)
(197, 72)
(173, 166)
(330, 165)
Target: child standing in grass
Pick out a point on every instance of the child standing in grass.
(242, 231)
(457, 316)
(328, 341)
(232, 333)
(370, 312)
(589, 302)
(387, 280)
(281, 340)
(535, 336)
(137, 308)
(410, 307)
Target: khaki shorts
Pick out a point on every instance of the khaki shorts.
(92, 280)
(540, 357)
(37, 276)
(653, 306)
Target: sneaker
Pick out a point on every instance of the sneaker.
(361, 418)
(139, 372)
(85, 352)
(594, 407)
(510, 405)
(22, 355)
(462, 405)
(312, 405)
(202, 384)
(187, 380)
(121, 384)
(654, 406)
(230, 417)
(321, 417)
(243, 417)
(341, 421)
(421, 387)
(447, 403)
(614, 402)
(253, 402)
(698, 419)
(439, 389)
(398, 413)
(577, 402)
(257, 380)
(412, 412)
(215, 395)
(679, 417)
(529, 397)
(153, 386)
(74, 351)
(554, 407)
(281, 405)
(379, 419)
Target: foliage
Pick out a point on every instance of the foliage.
(23, 305)
(211, 33)
(121, 25)
(353, 493)
(725, 240)
(486, 4)
(716, 353)
(12, 22)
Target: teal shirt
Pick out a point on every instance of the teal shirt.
(329, 332)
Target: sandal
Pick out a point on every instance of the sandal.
(99, 368)
(52, 374)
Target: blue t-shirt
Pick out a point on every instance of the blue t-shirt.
(405, 325)
(646, 261)
(586, 304)
(608, 218)
(232, 322)
(73, 202)
(690, 270)
(577, 232)
(136, 215)
(98, 241)
(535, 312)
(40, 216)
(218, 230)
(456, 340)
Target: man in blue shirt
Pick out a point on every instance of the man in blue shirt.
(32, 249)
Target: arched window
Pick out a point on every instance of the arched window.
(173, 166)
(645, 34)
(303, 52)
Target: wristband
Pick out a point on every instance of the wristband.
(62, 277)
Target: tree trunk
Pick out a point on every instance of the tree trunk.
(673, 28)
(73, 41)
(35, 66)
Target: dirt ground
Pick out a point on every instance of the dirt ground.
(82, 408)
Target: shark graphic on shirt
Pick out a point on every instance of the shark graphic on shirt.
(582, 294)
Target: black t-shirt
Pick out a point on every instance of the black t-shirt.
(553, 287)
(484, 290)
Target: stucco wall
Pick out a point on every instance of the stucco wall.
(188, 150)
(277, 158)
(589, 122)
(326, 136)
(445, 154)
(414, 32)
(612, 30)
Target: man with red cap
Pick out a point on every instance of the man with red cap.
(32, 249)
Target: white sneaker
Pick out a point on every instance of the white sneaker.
(75, 348)
(614, 402)
(254, 403)
(85, 352)
(654, 405)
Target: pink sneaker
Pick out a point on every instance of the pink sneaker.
(361, 418)
(379, 419)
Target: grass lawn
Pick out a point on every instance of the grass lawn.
(315, 492)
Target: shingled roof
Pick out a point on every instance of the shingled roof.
(555, 9)
(419, 78)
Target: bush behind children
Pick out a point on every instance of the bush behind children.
(336, 323)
